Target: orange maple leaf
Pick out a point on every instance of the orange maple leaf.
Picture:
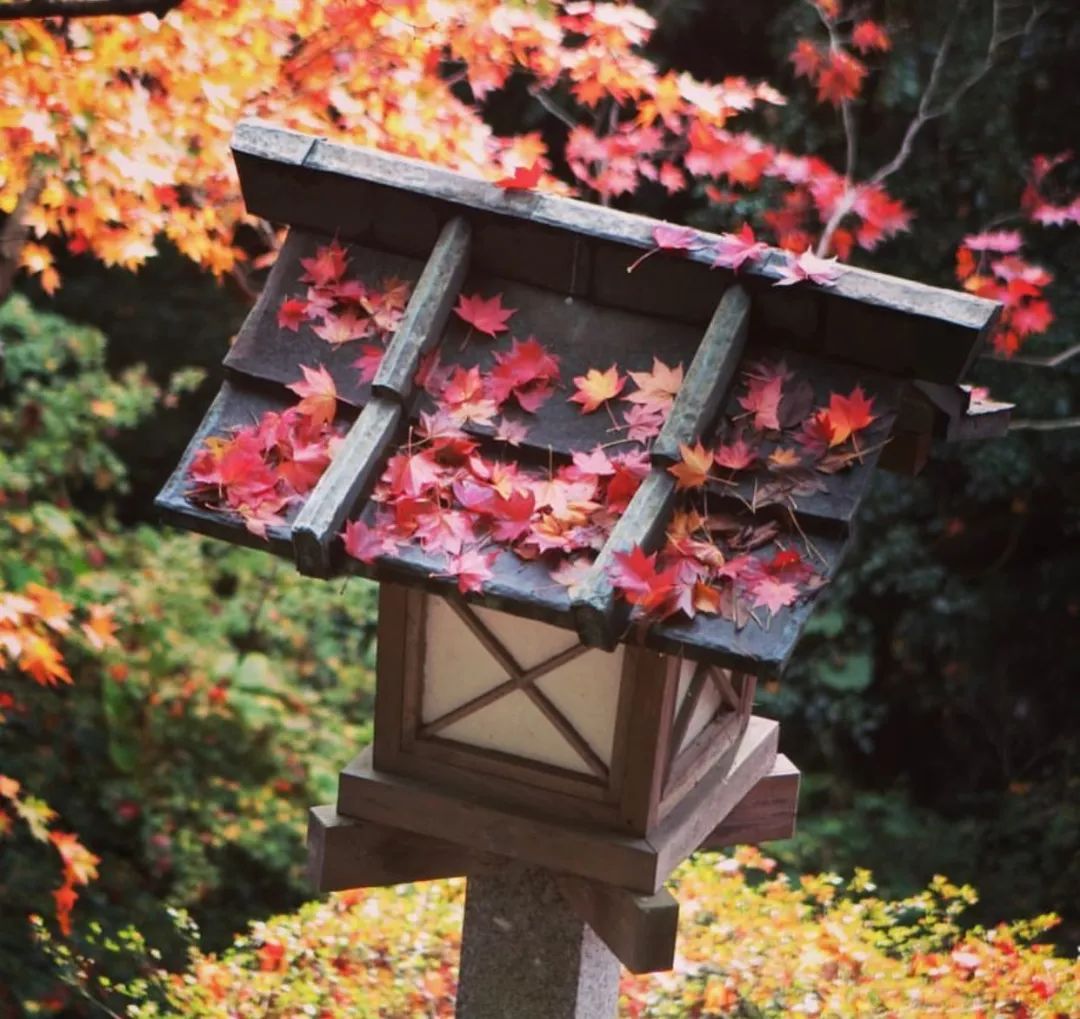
(100, 629)
(595, 387)
(657, 388)
(319, 395)
(848, 414)
(43, 662)
(693, 470)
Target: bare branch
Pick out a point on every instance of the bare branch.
(17, 9)
(931, 104)
(1049, 361)
(14, 232)
(1044, 424)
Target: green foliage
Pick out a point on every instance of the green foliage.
(187, 757)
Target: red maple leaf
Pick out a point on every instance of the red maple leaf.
(735, 456)
(527, 371)
(595, 387)
(328, 265)
(764, 391)
(671, 237)
(319, 395)
(635, 576)
(869, 35)
(292, 313)
(806, 58)
(1005, 242)
(465, 397)
(733, 250)
(412, 473)
(369, 360)
(524, 178)
(841, 78)
(643, 423)
(485, 316)
(471, 568)
(339, 329)
(363, 542)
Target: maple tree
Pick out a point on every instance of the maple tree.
(31, 623)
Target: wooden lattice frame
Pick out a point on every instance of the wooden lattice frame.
(646, 778)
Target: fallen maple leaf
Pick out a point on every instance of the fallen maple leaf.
(369, 360)
(292, 313)
(572, 574)
(773, 594)
(733, 250)
(595, 387)
(657, 388)
(669, 237)
(471, 568)
(635, 575)
(693, 470)
(764, 391)
(339, 329)
(485, 316)
(327, 266)
(848, 414)
(523, 178)
(363, 542)
(643, 423)
(318, 393)
(808, 266)
(512, 432)
(735, 456)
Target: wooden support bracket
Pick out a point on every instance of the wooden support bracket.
(700, 396)
(346, 853)
(639, 929)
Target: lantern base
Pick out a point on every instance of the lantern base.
(589, 851)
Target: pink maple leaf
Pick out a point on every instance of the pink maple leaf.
(809, 267)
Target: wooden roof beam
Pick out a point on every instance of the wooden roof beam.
(596, 614)
(367, 445)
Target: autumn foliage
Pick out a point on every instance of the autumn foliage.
(752, 942)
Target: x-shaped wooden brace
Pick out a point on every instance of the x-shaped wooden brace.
(519, 679)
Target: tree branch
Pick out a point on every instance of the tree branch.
(1049, 361)
(930, 105)
(1044, 424)
(16, 9)
(14, 232)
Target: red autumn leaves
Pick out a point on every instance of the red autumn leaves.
(731, 562)
(260, 470)
(734, 250)
(340, 310)
(443, 494)
(463, 500)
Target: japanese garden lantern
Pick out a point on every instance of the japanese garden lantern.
(520, 716)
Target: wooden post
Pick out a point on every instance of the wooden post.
(526, 953)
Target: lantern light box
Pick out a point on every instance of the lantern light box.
(519, 714)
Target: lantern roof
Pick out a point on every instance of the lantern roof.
(887, 352)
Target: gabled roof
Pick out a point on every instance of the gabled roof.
(562, 264)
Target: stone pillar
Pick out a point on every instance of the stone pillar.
(525, 954)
